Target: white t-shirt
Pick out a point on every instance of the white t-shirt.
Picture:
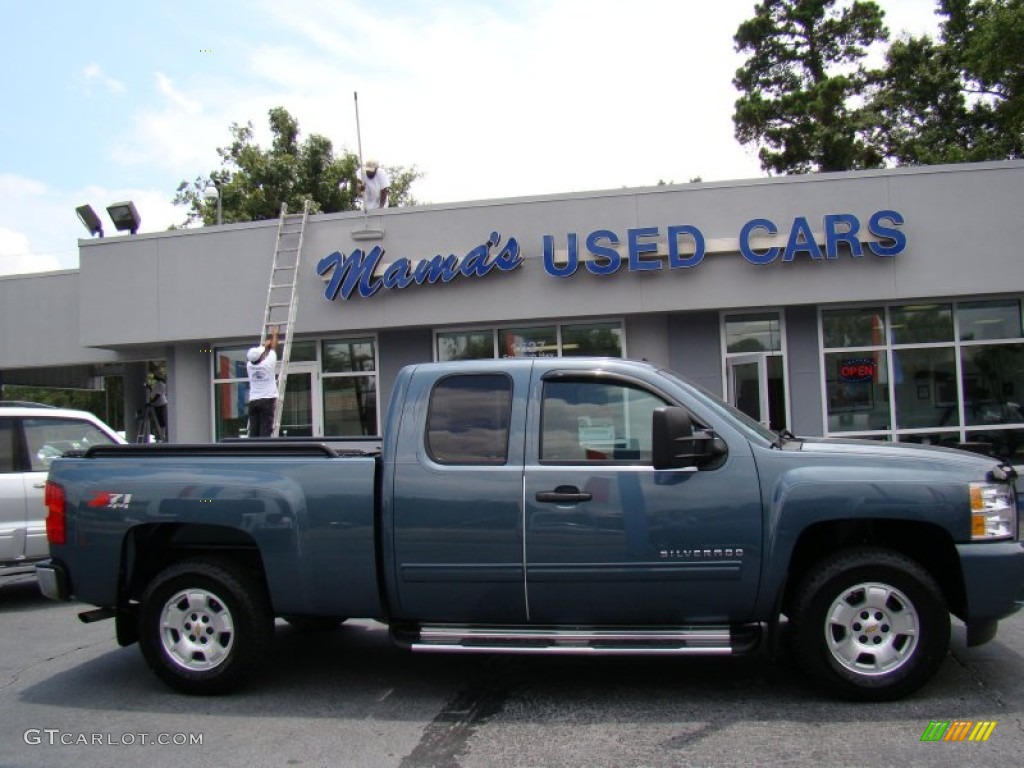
(262, 381)
(374, 186)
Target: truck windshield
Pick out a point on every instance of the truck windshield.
(754, 429)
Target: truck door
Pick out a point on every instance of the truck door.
(610, 540)
(13, 510)
(457, 497)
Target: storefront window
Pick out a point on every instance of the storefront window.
(862, 327)
(925, 386)
(302, 352)
(753, 333)
(921, 323)
(465, 345)
(946, 388)
(993, 381)
(350, 405)
(230, 393)
(857, 388)
(594, 339)
(983, 320)
(1004, 443)
(230, 407)
(349, 386)
(539, 341)
(567, 340)
(349, 355)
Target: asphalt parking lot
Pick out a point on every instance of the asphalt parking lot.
(71, 696)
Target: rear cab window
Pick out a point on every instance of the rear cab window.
(468, 419)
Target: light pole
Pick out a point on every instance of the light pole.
(212, 192)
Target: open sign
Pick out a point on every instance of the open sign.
(859, 370)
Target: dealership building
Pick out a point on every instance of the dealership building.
(881, 304)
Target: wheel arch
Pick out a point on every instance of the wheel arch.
(927, 544)
(149, 549)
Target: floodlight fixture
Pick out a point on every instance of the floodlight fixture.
(124, 216)
(212, 194)
(89, 218)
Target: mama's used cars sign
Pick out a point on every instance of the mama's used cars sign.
(604, 252)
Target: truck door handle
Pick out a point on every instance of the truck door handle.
(564, 493)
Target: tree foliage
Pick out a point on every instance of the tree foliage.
(254, 181)
(959, 98)
(805, 86)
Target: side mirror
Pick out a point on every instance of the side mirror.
(674, 444)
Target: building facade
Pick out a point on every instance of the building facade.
(878, 304)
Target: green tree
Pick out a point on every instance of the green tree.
(959, 98)
(805, 84)
(254, 181)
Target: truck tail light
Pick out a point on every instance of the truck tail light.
(56, 522)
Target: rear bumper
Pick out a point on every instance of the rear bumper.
(993, 579)
(53, 580)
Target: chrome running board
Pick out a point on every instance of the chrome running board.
(702, 640)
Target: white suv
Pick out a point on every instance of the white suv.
(32, 436)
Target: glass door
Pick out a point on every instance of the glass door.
(747, 377)
(301, 416)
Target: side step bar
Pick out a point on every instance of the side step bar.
(701, 640)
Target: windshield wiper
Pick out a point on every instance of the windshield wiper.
(784, 435)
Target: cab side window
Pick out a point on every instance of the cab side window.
(586, 421)
(7, 446)
(469, 417)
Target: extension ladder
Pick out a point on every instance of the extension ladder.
(282, 296)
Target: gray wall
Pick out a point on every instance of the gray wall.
(211, 283)
(39, 318)
(695, 348)
(804, 371)
(190, 393)
(395, 350)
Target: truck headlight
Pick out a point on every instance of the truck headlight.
(993, 511)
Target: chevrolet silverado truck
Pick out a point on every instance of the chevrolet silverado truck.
(545, 506)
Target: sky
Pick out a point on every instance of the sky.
(104, 102)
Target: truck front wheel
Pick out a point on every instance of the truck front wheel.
(204, 624)
(870, 624)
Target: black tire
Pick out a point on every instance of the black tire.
(870, 625)
(314, 623)
(204, 625)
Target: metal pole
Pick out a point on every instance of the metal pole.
(359, 141)
(220, 218)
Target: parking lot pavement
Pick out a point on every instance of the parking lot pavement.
(348, 698)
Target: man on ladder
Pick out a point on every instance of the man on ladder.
(261, 366)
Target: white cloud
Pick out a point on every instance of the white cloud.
(93, 72)
(16, 255)
(39, 229)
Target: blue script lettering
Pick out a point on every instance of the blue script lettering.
(358, 270)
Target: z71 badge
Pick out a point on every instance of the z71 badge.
(110, 500)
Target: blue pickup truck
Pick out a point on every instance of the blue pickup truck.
(550, 505)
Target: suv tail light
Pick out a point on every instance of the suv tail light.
(56, 522)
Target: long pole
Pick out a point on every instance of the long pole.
(362, 172)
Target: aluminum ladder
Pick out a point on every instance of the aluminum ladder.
(282, 297)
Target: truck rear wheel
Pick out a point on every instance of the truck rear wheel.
(204, 625)
(870, 624)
